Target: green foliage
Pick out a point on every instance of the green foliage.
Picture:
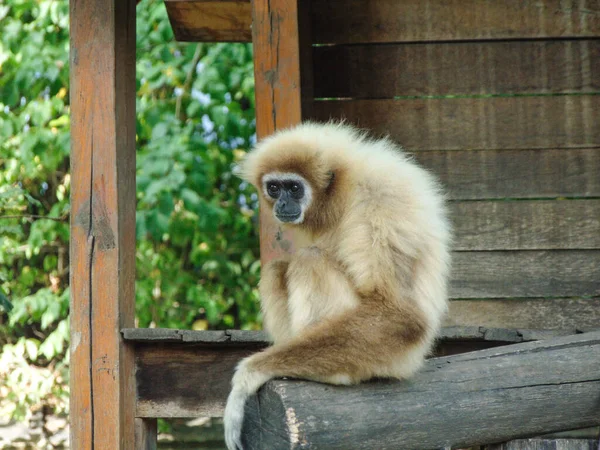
(197, 244)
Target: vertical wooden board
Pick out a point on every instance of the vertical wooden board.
(543, 173)
(355, 21)
(102, 222)
(457, 68)
(476, 123)
(145, 434)
(282, 87)
(535, 313)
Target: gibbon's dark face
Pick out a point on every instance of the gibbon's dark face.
(290, 195)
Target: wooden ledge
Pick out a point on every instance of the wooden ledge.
(242, 337)
(185, 373)
(231, 337)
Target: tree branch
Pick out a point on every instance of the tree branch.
(188, 80)
(35, 216)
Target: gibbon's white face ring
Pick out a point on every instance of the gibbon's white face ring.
(305, 201)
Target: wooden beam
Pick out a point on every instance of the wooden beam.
(102, 222)
(197, 365)
(210, 20)
(283, 87)
(487, 396)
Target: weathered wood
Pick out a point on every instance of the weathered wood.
(526, 225)
(210, 20)
(184, 380)
(546, 444)
(259, 339)
(145, 434)
(356, 21)
(192, 378)
(102, 222)
(233, 337)
(476, 123)
(474, 175)
(560, 273)
(283, 88)
(522, 389)
(386, 71)
(533, 313)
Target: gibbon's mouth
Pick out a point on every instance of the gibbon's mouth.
(287, 217)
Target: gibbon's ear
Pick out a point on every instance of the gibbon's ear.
(247, 168)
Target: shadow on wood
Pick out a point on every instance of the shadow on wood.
(486, 396)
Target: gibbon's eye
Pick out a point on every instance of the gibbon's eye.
(295, 187)
(273, 190)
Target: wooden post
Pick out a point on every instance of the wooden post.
(283, 86)
(146, 431)
(102, 222)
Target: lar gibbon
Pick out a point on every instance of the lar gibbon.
(364, 297)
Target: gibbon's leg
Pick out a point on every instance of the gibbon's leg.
(317, 289)
(376, 339)
(274, 300)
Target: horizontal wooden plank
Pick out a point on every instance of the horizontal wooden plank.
(184, 381)
(355, 21)
(259, 339)
(209, 337)
(210, 20)
(475, 123)
(482, 174)
(551, 313)
(515, 274)
(192, 378)
(526, 224)
(525, 67)
(555, 384)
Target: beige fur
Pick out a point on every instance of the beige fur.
(365, 298)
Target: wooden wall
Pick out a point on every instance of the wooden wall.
(501, 100)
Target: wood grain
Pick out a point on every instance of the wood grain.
(197, 341)
(210, 20)
(483, 174)
(522, 67)
(539, 313)
(102, 222)
(546, 444)
(146, 434)
(526, 225)
(192, 378)
(555, 384)
(476, 123)
(178, 380)
(517, 274)
(283, 83)
(357, 21)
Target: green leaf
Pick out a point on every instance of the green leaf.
(5, 304)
